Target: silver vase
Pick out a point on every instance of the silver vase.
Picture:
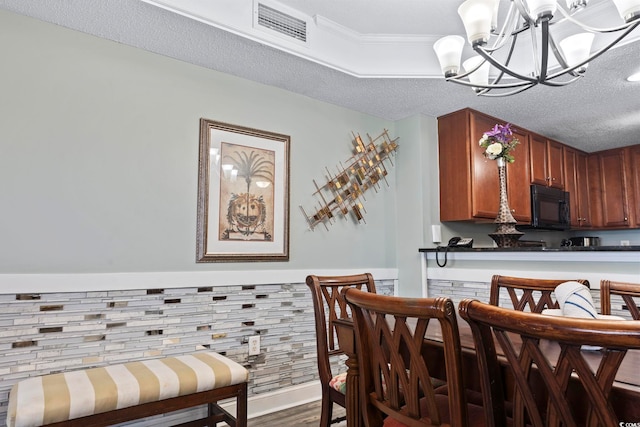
(506, 235)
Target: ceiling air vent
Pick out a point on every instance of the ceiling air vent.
(282, 23)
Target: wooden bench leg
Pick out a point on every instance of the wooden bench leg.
(241, 411)
(216, 414)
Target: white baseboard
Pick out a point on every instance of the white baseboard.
(267, 403)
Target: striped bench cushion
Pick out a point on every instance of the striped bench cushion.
(59, 397)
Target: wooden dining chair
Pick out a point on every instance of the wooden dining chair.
(556, 381)
(628, 293)
(396, 387)
(329, 305)
(531, 293)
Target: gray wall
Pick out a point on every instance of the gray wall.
(99, 158)
(417, 193)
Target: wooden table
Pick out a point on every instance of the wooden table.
(625, 395)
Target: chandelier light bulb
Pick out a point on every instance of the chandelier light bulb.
(629, 10)
(449, 52)
(541, 8)
(576, 49)
(477, 16)
(479, 77)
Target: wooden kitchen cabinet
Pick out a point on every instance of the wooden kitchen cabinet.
(576, 182)
(604, 187)
(546, 164)
(616, 179)
(469, 187)
(582, 184)
(518, 190)
(634, 173)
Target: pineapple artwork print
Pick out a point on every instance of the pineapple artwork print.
(246, 193)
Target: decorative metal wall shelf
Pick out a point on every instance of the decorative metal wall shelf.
(343, 193)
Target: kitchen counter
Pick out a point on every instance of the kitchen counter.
(594, 263)
(537, 249)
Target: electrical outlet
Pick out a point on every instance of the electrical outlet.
(624, 243)
(254, 345)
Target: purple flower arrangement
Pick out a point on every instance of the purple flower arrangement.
(499, 142)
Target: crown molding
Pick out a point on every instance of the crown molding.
(328, 43)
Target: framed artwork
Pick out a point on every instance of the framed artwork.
(243, 194)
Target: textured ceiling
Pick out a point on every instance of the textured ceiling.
(600, 111)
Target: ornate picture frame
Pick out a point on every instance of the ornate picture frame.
(243, 194)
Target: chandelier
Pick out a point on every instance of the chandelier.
(533, 23)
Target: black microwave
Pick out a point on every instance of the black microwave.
(550, 208)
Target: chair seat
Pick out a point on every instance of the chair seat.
(328, 304)
(339, 382)
(476, 413)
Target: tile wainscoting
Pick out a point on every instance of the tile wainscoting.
(468, 272)
(45, 332)
(459, 290)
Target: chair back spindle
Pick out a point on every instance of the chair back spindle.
(628, 293)
(397, 387)
(329, 305)
(551, 370)
(528, 294)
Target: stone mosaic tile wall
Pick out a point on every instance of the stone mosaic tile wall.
(54, 332)
(459, 290)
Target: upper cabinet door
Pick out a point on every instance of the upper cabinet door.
(582, 187)
(538, 160)
(545, 158)
(570, 181)
(518, 179)
(577, 184)
(634, 174)
(615, 208)
(484, 171)
(554, 160)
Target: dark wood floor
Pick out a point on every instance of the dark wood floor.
(299, 416)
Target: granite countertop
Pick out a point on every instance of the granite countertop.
(539, 249)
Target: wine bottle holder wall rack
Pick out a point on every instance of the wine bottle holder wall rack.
(343, 193)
